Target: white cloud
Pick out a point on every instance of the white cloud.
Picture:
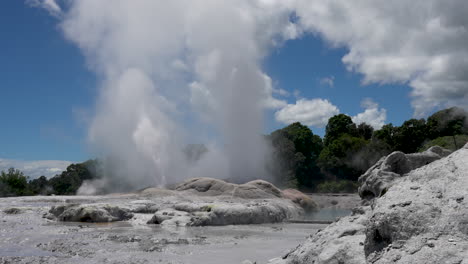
(35, 169)
(421, 42)
(269, 101)
(314, 112)
(50, 5)
(372, 115)
(328, 81)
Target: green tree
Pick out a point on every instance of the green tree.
(307, 148)
(338, 160)
(365, 131)
(286, 159)
(337, 126)
(40, 186)
(13, 183)
(411, 135)
(387, 134)
(68, 182)
(447, 122)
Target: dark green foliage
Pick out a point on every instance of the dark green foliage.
(449, 142)
(40, 186)
(411, 135)
(365, 131)
(13, 183)
(296, 150)
(339, 159)
(387, 134)
(69, 181)
(447, 122)
(337, 126)
(285, 159)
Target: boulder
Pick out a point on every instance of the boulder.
(422, 218)
(258, 189)
(94, 213)
(377, 180)
(300, 198)
(206, 186)
(266, 187)
(224, 213)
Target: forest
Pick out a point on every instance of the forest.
(301, 159)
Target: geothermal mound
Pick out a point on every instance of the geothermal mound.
(417, 212)
(195, 202)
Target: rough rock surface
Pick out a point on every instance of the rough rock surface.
(257, 189)
(300, 198)
(422, 218)
(377, 179)
(196, 202)
(95, 213)
(255, 212)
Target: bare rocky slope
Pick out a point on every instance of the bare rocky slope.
(196, 202)
(416, 211)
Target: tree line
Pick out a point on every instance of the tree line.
(14, 183)
(347, 150)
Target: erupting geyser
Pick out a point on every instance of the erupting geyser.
(176, 72)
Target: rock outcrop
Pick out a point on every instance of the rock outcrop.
(196, 202)
(300, 198)
(421, 218)
(258, 189)
(94, 213)
(377, 179)
(222, 213)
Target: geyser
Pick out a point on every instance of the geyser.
(173, 73)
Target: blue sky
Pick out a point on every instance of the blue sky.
(46, 85)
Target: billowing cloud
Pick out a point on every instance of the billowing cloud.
(421, 43)
(35, 169)
(314, 112)
(372, 115)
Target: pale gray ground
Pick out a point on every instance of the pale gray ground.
(27, 237)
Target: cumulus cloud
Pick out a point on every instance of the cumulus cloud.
(314, 112)
(421, 43)
(35, 169)
(372, 115)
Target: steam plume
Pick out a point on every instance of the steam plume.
(162, 61)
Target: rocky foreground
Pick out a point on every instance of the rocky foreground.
(199, 221)
(196, 202)
(416, 211)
